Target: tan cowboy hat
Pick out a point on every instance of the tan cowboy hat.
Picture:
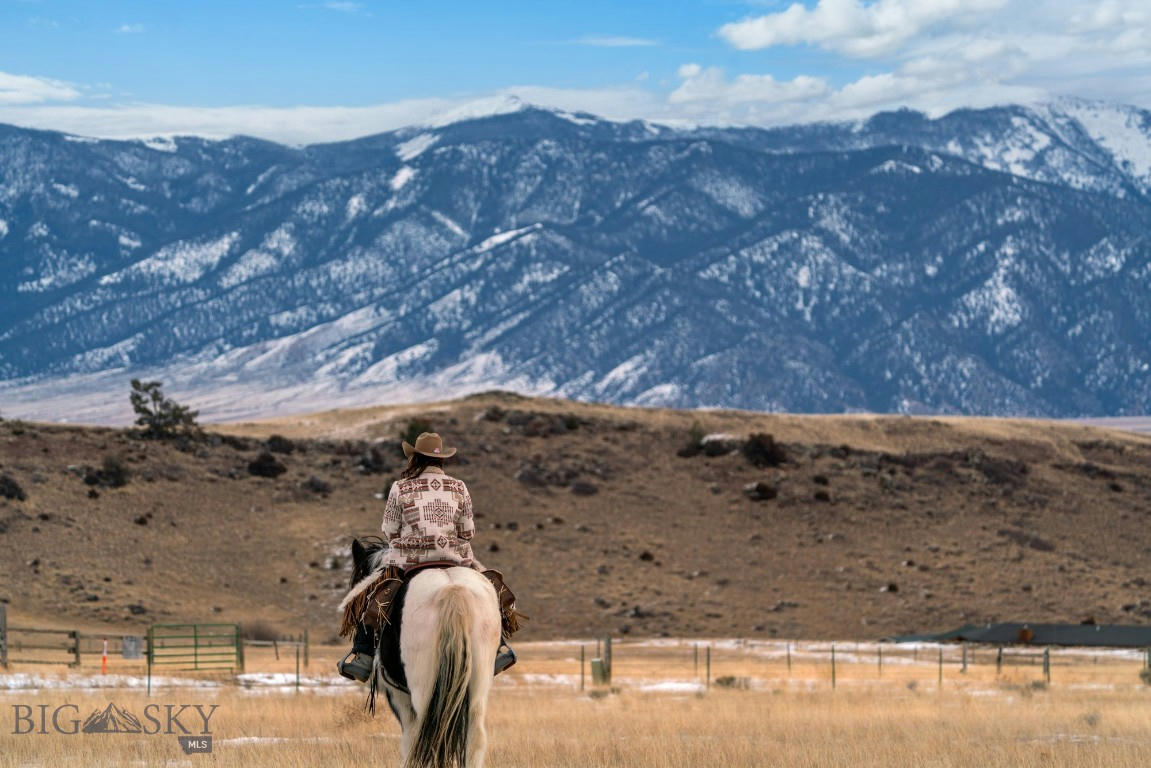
(429, 444)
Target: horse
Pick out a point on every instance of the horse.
(449, 634)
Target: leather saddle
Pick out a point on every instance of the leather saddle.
(389, 636)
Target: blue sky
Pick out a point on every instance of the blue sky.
(332, 69)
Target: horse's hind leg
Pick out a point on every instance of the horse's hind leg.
(401, 705)
(483, 648)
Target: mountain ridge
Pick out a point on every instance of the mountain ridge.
(829, 267)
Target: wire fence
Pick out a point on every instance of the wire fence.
(702, 664)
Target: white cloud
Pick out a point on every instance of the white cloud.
(849, 26)
(24, 89)
(130, 29)
(937, 55)
(615, 41)
(709, 88)
(305, 125)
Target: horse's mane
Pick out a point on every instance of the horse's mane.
(373, 547)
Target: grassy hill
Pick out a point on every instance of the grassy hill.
(876, 524)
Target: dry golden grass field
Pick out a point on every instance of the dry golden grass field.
(1094, 713)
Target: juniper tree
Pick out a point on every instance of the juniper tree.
(160, 416)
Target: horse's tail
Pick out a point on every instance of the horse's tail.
(442, 738)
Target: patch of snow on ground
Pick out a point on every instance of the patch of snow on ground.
(132, 183)
(573, 118)
(355, 207)
(896, 166)
(30, 681)
(181, 262)
(449, 223)
(402, 177)
(624, 375)
(260, 180)
(128, 242)
(1122, 131)
(536, 275)
(3, 229)
(673, 686)
(486, 107)
(502, 237)
(660, 395)
(161, 143)
(414, 147)
(60, 272)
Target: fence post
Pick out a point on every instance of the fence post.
(964, 669)
(879, 653)
(297, 668)
(833, 666)
(695, 659)
(581, 665)
(239, 649)
(75, 637)
(305, 649)
(3, 636)
(941, 669)
(999, 661)
(151, 648)
(607, 657)
(789, 658)
(1047, 664)
(708, 685)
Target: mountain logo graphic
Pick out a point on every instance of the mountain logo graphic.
(112, 719)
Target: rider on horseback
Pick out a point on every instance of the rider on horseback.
(427, 521)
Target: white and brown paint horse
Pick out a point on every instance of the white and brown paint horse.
(449, 635)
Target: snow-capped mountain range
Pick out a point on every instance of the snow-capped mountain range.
(992, 261)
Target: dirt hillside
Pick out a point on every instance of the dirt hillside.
(853, 527)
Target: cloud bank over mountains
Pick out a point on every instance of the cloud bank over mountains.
(929, 55)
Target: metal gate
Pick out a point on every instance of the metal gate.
(195, 647)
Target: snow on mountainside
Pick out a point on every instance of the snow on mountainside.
(989, 261)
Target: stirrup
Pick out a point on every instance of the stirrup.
(505, 658)
(354, 667)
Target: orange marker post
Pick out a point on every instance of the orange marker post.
(104, 659)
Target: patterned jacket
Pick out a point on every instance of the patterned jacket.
(428, 519)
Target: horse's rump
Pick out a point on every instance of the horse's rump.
(449, 641)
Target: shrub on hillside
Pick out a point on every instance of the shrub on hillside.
(266, 465)
(762, 451)
(112, 473)
(280, 444)
(10, 489)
